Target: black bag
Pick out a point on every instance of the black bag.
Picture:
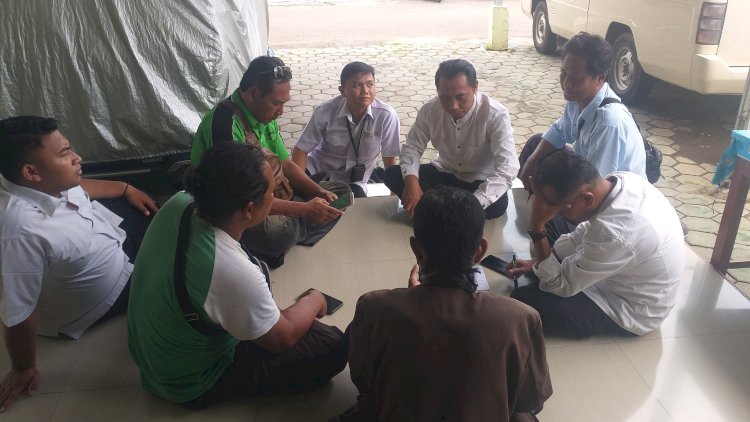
(653, 155)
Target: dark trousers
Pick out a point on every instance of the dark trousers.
(576, 316)
(134, 224)
(315, 359)
(558, 226)
(430, 177)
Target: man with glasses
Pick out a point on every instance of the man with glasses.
(249, 115)
(618, 272)
(606, 135)
(347, 134)
(473, 137)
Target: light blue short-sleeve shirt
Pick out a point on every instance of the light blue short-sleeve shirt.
(608, 137)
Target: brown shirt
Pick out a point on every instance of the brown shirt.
(442, 354)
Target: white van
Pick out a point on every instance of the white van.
(694, 44)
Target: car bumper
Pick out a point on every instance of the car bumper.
(710, 75)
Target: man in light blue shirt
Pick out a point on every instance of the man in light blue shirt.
(606, 135)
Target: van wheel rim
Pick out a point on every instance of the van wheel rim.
(624, 69)
(541, 26)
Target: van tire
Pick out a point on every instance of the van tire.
(626, 76)
(545, 41)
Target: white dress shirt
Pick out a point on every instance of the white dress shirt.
(478, 146)
(628, 258)
(326, 139)
(62, 257)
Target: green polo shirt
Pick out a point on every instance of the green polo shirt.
(217, 124)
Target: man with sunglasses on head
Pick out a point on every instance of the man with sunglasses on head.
(346, 134)
(606, 135)
(250, 116)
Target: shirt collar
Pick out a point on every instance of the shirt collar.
(47, 203)
(251, 120)
(344, 111)
(591, 107)
(468, 114)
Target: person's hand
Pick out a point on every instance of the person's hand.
(16, 383)
(527, 171)
(412, 194)
(318, 211)
(523, 266)
(318, 296)
(543, 211)
(414, 276)
(140, 201)
(327, 195)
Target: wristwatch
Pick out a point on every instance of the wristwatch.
(537, 236)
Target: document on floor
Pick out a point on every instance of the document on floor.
(480, 278)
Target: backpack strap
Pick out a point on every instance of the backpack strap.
(189, 313)
(228, 104)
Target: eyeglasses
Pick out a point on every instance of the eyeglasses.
(572, 77)
(280, 73)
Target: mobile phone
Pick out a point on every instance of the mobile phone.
(496, 264)
(332, 304)
(342, 202)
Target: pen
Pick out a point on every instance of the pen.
(515, 275)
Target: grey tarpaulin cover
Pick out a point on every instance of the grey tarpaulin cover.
(129, 78)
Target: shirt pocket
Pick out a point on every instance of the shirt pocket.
(369, 146)
(336, 143)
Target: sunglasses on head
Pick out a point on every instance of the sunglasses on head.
(280, 73)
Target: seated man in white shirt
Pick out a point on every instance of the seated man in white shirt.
(618, 271)
(346, 134)
(62, 263)
(474, 140)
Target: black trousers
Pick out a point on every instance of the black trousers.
(576, 316)
(430, 177)
(134, 224)
(558, 226)
(315, 359)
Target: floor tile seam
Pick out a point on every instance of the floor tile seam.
(104, 388)
(573, 346)
(346, 263)
(645, 382)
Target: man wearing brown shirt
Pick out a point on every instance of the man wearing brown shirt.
(438, 350)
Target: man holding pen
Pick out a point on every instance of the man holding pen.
(618, 271)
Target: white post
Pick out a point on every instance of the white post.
(498, 27)
(743, 117)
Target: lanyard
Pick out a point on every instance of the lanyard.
(359, 140)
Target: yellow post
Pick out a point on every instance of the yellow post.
(498, 27)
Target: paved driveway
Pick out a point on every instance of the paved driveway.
(692, 130)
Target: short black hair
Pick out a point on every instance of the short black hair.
(260, 73)
(564, 173)
(448, 224)
(450, 68)
(229, 176)
(353, 68)
(594, 49)
(20, 136)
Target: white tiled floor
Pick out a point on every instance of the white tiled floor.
(694, 368)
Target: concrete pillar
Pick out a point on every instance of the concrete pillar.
(498, 27)
(743, 117)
